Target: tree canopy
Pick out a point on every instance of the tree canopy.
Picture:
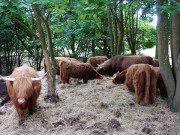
(80, 28)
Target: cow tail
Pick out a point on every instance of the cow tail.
(147, 85)
(61, 70)
(154, 77)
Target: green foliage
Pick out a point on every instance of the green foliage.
(171, 8)
(146, 35)
(75, 23)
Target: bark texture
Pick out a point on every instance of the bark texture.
(165, 68)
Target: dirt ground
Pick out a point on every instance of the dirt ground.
(96, 108)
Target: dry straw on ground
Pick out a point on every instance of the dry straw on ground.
(96, 108)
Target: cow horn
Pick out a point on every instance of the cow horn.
(114, 76)
(37, 79)
(7, 78)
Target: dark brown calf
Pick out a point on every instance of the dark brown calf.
(58, 60)
(97, 60)
(119, 77)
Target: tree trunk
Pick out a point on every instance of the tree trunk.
(105, 47)
(156, 50)
(121, 29)
(176, 59)
(51, 88)
(93, 48)
(131, 31)
(73, 45)
(50, 48)
(110, 31)
(175, 38)
(165, 68)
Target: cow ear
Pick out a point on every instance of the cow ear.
(11, 84)
(36, 84)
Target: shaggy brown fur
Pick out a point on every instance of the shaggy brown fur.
(143, 79)
(77, 70)
(120, 77)
(97, 60)
(120, 63)
(58, 60)
(155, 62)
(23, 91)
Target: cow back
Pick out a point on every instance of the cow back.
(120, 63)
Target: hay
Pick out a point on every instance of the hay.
(98, 107)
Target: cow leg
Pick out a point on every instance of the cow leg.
(85, 80)
(131, 89)
(65, 80)
(30, 108)
(139, 82)
(20, 117)
(32, 102)
(19, 111)
(153, 86)
(138, 93)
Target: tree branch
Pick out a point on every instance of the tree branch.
(20, 23)
(47, 17)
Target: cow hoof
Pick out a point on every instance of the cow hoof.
(30, 112)
(20, 122)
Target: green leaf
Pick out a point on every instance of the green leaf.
(9, 21)
(61, 10)
(82, 16)
(59, 30)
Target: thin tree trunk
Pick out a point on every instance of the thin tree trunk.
(156, 49)
(121, 30)
(51, 88)
(50, 48)
(171, 44)
(105, 47)
(73, 45)
(110, 31)
(104, 31)
(165, 68)
(93, 47)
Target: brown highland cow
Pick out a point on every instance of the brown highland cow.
(143, 79)
(58, 60)
(77, 70)
(120, 63)
(23, 87)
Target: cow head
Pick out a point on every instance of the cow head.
(119, 77)
(99, 76)
(100, 70)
